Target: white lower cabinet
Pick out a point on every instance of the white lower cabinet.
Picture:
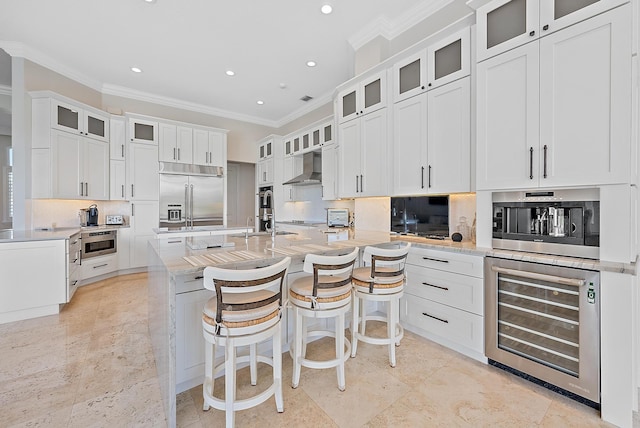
(444, 299)
(96, 266)
(144, 218)
(189, 338)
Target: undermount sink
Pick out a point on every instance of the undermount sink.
(253, 234)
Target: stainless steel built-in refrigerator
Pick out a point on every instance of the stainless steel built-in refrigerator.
(191, 195)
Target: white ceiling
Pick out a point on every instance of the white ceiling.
(185, 47)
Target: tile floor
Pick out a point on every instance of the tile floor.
(92, 366)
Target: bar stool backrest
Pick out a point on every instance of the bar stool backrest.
(386, 258)
(320, 266)
(235, 281)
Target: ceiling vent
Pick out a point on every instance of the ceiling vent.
(306, 98)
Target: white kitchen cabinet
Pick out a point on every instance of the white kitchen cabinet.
(144, 218)
(124, 248)
(175, 143)
(366, 96)
(441, 62)
(444, 299)
(79, 120)
(265, 149)
(142, 172)
(97, 266)
(265, 171)
(209, 147)
(449, 138)
(330, 172)
(288, 172)
(506, 24)
(327, 133)
(118, 180)
(29, 292)
(79, 167)
(144, 131)
(118, 138)
(364, 156)
(432, 140)
(550, 114)
(189, 339)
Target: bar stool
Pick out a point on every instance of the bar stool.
(324, 294)
(245, 311)
(383, 281)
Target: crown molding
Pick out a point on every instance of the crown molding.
(21, 50)
(305, 109)
(390, 29)
(121, 91)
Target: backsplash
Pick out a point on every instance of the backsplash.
(313, 208)
(52, 213)
(461, 205)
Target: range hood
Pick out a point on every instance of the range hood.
(311, 170)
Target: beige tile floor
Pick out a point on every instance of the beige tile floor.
(92, 366)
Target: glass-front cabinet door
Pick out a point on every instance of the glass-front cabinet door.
(66, 117)
(347, 104)
(296, 145)
(143, 131)
(327, 137)
(96, 125)
(315, 137)
(306, 143)
(505, 24)
(410, 76)
(287, 147)
(448, 59)
(557, 14)
(373, 93)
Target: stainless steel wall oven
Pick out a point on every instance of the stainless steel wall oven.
(544, 321)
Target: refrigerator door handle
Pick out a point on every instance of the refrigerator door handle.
(186, 205)
(191, 205)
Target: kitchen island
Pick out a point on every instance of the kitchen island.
(177, 294)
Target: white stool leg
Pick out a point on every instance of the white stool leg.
(354, 323)
(253, 364)
(297, 351)
(230, 382)
(209, 368)
(304, 327)
(340, 350)
(363, 316)
(391, 331)
(277, 367)
(396, 321)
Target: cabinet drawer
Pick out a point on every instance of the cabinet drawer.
(99, 266)
(189, 282)
(458, 291)
(463, 264)
(451, 324)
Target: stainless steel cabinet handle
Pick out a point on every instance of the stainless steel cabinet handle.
(174, 242)
(123, 191)
(356, 184)
(174, 153)
(361, 186)
(99, 266)
(435, 286)
(435, 260)
(191, 204)
(422, 178)
(429, 181)
(122, 146)
(178, 153)
(86, 189)
(540, 276)
(133, 210)
(132, 190)
(530, 163)
(81, 189)
(435, 318)
(544, 170)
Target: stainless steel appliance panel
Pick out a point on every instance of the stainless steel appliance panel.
(173, 199)
(99, 243)
(206, 200)
(544, 321)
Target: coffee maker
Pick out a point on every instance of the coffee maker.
(89, 216)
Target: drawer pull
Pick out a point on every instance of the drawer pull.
(435, 260)
(199, 277)
(435, 318)
(436, 286)
(174, 242)
(102, 265)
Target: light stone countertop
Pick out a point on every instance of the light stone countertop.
(8, 236)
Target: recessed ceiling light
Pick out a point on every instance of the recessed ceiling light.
(150, 1)
(230, 73)
(326, 9)
(136, 70)
(260, 102)
(311, 63)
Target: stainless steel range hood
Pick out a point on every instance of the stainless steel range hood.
(311, 170)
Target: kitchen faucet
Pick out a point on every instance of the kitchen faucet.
(246, 229)
(268, 193)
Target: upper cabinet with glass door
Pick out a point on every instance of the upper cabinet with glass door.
(443, 61)
(368, 95)
(143, 131)
(81, 121)
(506, 24)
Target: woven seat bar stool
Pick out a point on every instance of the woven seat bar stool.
(382, 281)
(326, 293)
(245, 311)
